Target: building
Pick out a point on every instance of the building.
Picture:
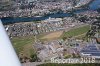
(31, 1)
(91, 50)
(53, 20)
(49, 49)
(98, 40)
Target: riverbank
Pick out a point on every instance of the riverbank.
(9, 20)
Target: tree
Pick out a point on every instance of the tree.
(33, 58)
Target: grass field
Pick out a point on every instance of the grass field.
(23, 45)
(77, 31)
(52, 35)
(52, 64)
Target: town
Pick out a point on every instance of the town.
(50, 31)
(35, 8)
(56, 42)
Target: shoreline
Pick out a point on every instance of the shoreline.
(60, 14)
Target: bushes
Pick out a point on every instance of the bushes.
(33, 58)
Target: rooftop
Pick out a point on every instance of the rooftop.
(91, 50)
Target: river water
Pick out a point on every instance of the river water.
(92, 6)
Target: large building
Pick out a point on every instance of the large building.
(30, 0)
(91, 50)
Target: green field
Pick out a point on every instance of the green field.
(52, 64)
(23, 44)
(76, 31)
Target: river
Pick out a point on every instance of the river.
(92, 6)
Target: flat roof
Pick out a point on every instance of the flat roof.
(91, 49)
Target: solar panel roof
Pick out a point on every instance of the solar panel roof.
(91, 49)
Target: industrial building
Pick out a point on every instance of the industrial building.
(91, 50)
